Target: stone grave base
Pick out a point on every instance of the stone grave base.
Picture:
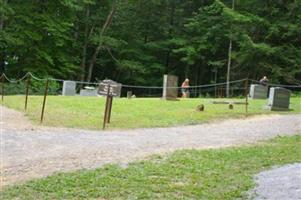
(88, 93)
(273, 108)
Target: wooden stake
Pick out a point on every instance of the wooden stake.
(106, 108)
(44, 101)
(2, 87)
(246, 94)
(110, 109)
(26, 93)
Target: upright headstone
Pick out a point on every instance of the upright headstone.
(258, 91)
(170, 90)
(279, 98)
(129, 94)
(115, 88)
(69, 88)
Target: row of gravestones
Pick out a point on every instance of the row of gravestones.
(170, 88)
(69, 89)
(279, 98)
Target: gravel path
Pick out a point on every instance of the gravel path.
(282, 183)
(32, 152)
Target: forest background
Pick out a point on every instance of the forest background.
(137, 41)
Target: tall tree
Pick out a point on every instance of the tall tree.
(229, 57)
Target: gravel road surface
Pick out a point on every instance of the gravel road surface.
(30, 152)
(282, 183)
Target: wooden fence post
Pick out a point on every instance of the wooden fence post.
(44, 101)
(246, 95)
(106, 108)
(27, 92)
(110, 109)
(2, 87)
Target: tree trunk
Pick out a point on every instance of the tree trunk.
(2, 54)
(97, 50)
(171, 23)
(229, 59)
(84, 48)
(229, 68)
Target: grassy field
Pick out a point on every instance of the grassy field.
(87, 112)
(190, 174)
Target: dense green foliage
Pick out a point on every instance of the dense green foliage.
(137, 41)
(190, 174)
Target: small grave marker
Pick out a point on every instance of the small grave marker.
(129, 94)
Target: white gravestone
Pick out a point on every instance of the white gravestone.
(69, 88)
(258, 91)
(170, 90)
(279, 99)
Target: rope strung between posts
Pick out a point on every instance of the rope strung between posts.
(36, 78)
(139, 86)
(196, 86)
(14, 81)
(278, 85)
(124, 86)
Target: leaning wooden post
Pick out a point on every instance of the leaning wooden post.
(110, 109)
(27, 92)
(106, 108)
(246, 95)
(2, 87)
(44, 101)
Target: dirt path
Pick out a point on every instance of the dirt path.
(32, 152)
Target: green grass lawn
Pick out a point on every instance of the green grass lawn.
(87, 112)
(189, 174)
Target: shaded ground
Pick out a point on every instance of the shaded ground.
(279, 183)
(30, 152)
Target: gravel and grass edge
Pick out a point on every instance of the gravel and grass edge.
(186, 174)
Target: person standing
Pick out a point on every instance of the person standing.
(185, 88)
(264, 81)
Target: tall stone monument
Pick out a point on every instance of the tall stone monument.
(258, 91)
(69, 88)
(170, 90)
(279, 99)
